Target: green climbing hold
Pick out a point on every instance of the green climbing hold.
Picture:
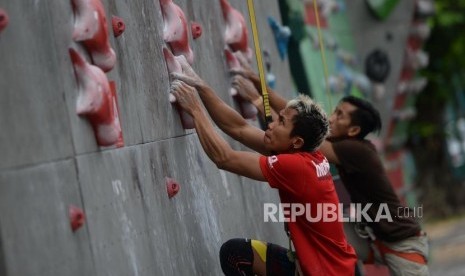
(382, 8)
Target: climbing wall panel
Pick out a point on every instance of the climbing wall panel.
(33, 113)
(35, 233)
(390, 36)
(130, 215)
(50, 159)
(279, 67)
(141, 75)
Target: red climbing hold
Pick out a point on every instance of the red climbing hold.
(120, 142)
(172, 187)
(196, 29)
(175, 32)
(236, 34)
(247, 109)
(118, 25)
(173, 64)
(76, 217)
(3, 19)
(96, 102)
(90, 28)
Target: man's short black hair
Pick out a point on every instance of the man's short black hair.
(366, 116)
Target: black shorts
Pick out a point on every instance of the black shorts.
(277, 261)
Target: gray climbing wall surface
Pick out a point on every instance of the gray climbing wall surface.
(389, 36)
(49, 158)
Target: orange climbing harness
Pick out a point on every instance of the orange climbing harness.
(383, 250)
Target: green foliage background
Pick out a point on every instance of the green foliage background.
(442, 192)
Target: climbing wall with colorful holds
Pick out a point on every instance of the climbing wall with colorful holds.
(98, 175)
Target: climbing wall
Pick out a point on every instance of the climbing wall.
(388, 36)
(50, 160)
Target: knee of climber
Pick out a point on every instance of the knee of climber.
(236, 257)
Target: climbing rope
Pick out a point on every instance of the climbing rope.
(323, 56)
(261, 72)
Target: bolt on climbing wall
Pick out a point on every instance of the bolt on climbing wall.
(99, 173)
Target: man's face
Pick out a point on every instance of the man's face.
(340, 120)
(278, 135)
